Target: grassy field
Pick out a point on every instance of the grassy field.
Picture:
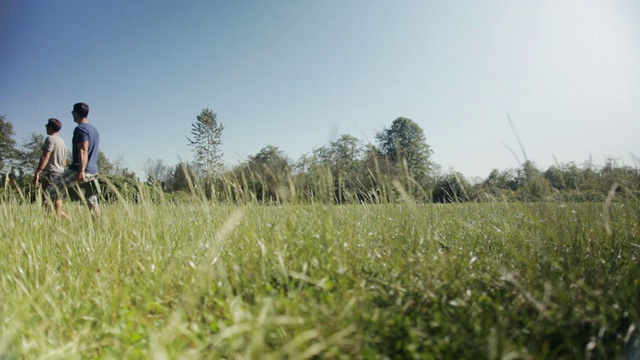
(200, 280)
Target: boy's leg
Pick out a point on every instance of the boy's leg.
(59, 187)
(59, 210)
(47, 202)
(43, 191)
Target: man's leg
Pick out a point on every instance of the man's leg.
(92, 190)
(93, 206)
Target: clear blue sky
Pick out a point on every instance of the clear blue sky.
(296, 74)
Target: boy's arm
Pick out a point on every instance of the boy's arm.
(43, 162)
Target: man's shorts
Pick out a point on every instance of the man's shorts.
(70, 178)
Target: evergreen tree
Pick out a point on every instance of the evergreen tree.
(205, 143)
(182, 178)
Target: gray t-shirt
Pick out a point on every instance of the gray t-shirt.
(55, 145)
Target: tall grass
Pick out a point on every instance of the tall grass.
(199, 279)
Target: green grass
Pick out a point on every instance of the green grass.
(204, 280)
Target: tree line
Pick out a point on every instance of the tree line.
(397, 167)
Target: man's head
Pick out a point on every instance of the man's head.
(80, 111)
(53, 126)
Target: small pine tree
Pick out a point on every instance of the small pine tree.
(205, 143)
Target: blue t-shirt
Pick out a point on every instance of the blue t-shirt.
(86, 132)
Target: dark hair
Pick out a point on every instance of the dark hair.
(81, 109)
(54, 124)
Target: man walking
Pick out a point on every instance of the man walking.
(54, 156)
(84, 166)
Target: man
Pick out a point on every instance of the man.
(54, 156)
(83, 170)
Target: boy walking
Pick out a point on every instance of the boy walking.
(54, 156)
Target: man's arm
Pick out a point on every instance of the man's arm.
(43, 162)
(83, 148)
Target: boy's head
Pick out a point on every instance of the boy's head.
(54, 125)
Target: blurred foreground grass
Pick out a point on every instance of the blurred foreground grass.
(376, 281)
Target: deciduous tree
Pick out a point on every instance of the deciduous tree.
(104, 164)
(157, 173)
(452, 188)
(7, 143)
(405, 147)
(272, 168)
(405, 140)
(29, 154)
